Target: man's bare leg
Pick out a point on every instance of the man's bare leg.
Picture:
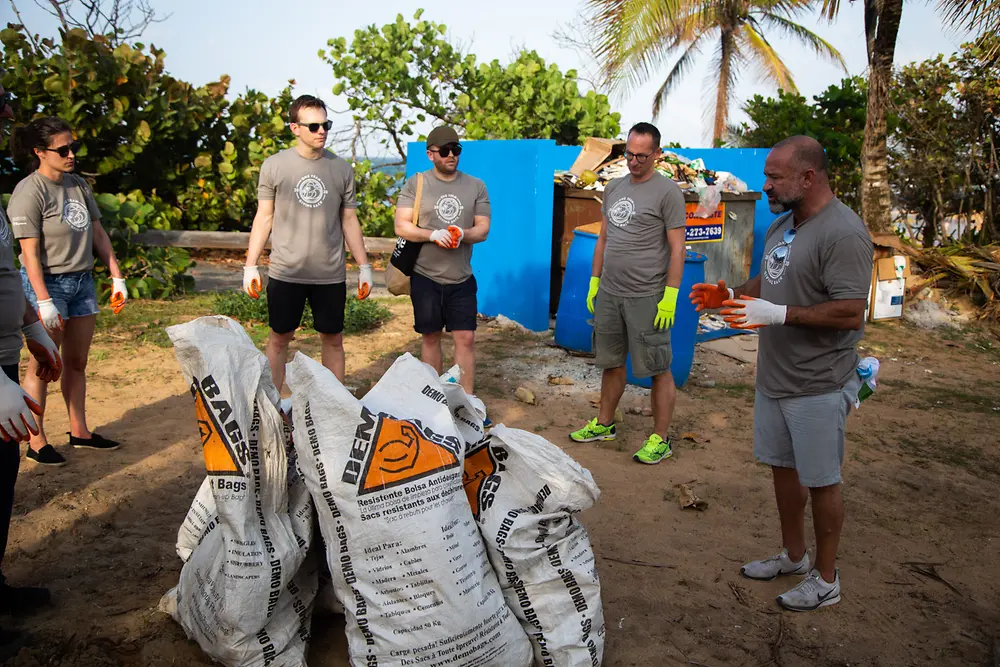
(828, 520)
(277, 355)
(664, 398)
(333, 353)
(792, 498)
(465, 357)
(612, 387)
(430, 350)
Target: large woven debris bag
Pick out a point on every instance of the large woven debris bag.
(246, 590)
(525, 493)
(404, 550)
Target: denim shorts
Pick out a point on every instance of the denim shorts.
(73, 294)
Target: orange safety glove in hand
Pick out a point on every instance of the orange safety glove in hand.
(457, 234)
(710, 297)
(750, 313)
(666, 309)
(442, 237)
(44, 350)
(595, 284)
(252, 284)
(119, 294)
(49, 315)
(16, 421)
(365, 281)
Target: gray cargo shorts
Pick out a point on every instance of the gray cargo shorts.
(624, 325)
(805, 432)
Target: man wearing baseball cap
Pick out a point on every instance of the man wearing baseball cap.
(454, 214)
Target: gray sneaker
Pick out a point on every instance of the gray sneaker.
(769, 568)
(812, 593)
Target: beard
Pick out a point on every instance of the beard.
(783, 204)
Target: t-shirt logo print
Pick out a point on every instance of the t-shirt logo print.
(776, 262)
(4, 230)
(310, 191)
(76, 215)
(448, 208)
(621, 212)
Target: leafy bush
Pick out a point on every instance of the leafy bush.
(359, 316)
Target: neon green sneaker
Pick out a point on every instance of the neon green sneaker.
(655, 450)
(593, 432)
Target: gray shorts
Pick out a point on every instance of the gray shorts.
(624, 325)
(804, 432)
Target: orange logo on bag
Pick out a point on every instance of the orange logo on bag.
(479, 465)
(219, 457)
(400, 453)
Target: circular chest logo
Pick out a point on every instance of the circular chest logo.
(76, 215)
(4, 230)
(310, 191)
(776, 263)
(449, 208)
(621, 212)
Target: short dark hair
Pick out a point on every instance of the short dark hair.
(37, 134)
(807, 152)
(304, 102)
(648, 129)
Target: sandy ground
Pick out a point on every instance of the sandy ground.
(920, 557)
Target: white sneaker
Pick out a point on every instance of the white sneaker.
(769, 568)
(812, 593)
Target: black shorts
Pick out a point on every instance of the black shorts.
(437, 306)
(287, 301)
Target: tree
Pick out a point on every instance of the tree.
(120, 21)
(836, 118)
(405, 74)
(637, 37)
(881, 30)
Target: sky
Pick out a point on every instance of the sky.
(262, 43)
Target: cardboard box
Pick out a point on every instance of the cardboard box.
(888, 287)
(596, 152)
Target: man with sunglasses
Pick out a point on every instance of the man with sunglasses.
(809, 303)
(306, 205)
(638, 264)
(454, 214)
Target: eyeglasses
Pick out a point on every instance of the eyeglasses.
(64, 151)
(314, 127)
(447, 151)
(639, 157)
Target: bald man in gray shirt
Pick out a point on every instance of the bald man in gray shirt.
(809, 304)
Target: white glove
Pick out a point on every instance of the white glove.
(119, 294)
(49, 315)
(252, 283)
(44, 350)
(457, 234)
(365, 281)
(443, 238)
(750, 313)
(16, 421)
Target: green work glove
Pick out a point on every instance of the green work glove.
(666, 308)
(595, 282)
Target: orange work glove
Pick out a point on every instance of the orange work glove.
(705, 296)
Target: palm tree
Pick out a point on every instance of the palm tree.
(637, 37)
(881, 29)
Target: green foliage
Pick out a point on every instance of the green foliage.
(151, 273)
(373, 191)
(836, 118)
(359, 316)
(406, 73)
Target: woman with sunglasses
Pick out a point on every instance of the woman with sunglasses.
(54, 216)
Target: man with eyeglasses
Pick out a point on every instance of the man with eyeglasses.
(638, 265)
(809, 304)
(306, 205)
(454, 214)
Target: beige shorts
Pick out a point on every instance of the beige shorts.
(624, 325)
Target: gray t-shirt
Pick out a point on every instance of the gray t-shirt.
(11, 297)
(637, 253)
(442, 204)
(61, 216)
(307, 236)
(829, 258)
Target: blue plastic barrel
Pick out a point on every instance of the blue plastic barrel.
(574, 326)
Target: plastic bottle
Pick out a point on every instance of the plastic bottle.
(868, 372)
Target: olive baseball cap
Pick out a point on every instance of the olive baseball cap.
(442, 136)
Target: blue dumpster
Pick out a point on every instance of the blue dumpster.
(574, 326)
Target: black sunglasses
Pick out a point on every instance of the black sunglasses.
(446, 151)
(314, 127)
(64, 151)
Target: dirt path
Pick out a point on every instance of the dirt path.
(920, 557)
